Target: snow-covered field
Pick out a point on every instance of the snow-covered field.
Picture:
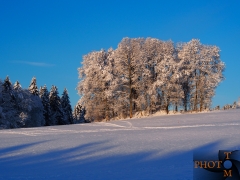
(159, 147)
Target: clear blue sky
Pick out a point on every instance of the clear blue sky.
(47, 39)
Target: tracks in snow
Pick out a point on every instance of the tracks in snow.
(101, 127)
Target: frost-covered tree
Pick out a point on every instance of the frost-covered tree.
(202, 71)
(90, 85)
(167, 77)
(151, 55)
(95, 86)
(22, 103)
(128, 64)
(66, 107)
(210, 74)
(148, 75)
(17, 86)
(33, 89)
(27, 109)
(44, 95)
(36, 107)
(7, 85)
(79, 113)
(9, 114)
(56, 108)
(238, 103)
(30, 108)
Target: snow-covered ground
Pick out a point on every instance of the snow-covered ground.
(159, 147)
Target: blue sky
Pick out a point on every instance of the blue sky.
(47, 39)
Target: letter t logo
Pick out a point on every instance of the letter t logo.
(227, 154)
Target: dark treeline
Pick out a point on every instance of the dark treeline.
(35, 107)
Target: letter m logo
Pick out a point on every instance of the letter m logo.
(227, 173)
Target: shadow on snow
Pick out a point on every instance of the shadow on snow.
(84, 162)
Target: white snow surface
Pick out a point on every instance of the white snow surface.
(159, 147)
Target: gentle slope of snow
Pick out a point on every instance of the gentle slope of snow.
(159, 147)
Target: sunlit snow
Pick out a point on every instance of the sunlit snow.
(159, 147)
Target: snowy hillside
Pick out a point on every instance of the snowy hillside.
(158, 147)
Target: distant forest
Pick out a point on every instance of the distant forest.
(35, 107)
(147, 75)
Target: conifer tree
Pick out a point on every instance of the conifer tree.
(1, 102)
(44, 95)
(23, 104)
(33, 89)
(8, 102)
(66, 107)
(17, 86)
(56, 108)
(36, 113)
(7, 86)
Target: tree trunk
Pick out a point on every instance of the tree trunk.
(201, 102)
(196, 94)
(167, 110)
(185, 87)
(131, 103)
(130, 89)
(202, 97)
(106, 110)
(167, 106)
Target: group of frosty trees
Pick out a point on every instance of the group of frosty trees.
(32, 107)
(145, 75)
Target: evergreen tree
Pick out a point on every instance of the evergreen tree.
(44, 95)
(19, 103)
(36, 112)
(17, 86)
(33, 89)
(9, 116)
(66, 107)
(25, 106)
(1, 104)
(56, 108)
(7, 86)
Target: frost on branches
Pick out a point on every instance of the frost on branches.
(33, 87)
(13, 105)
(202, 72)
(79, 114)
(143, 76)
(36, 112)
(32, 107)
(238, 103)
